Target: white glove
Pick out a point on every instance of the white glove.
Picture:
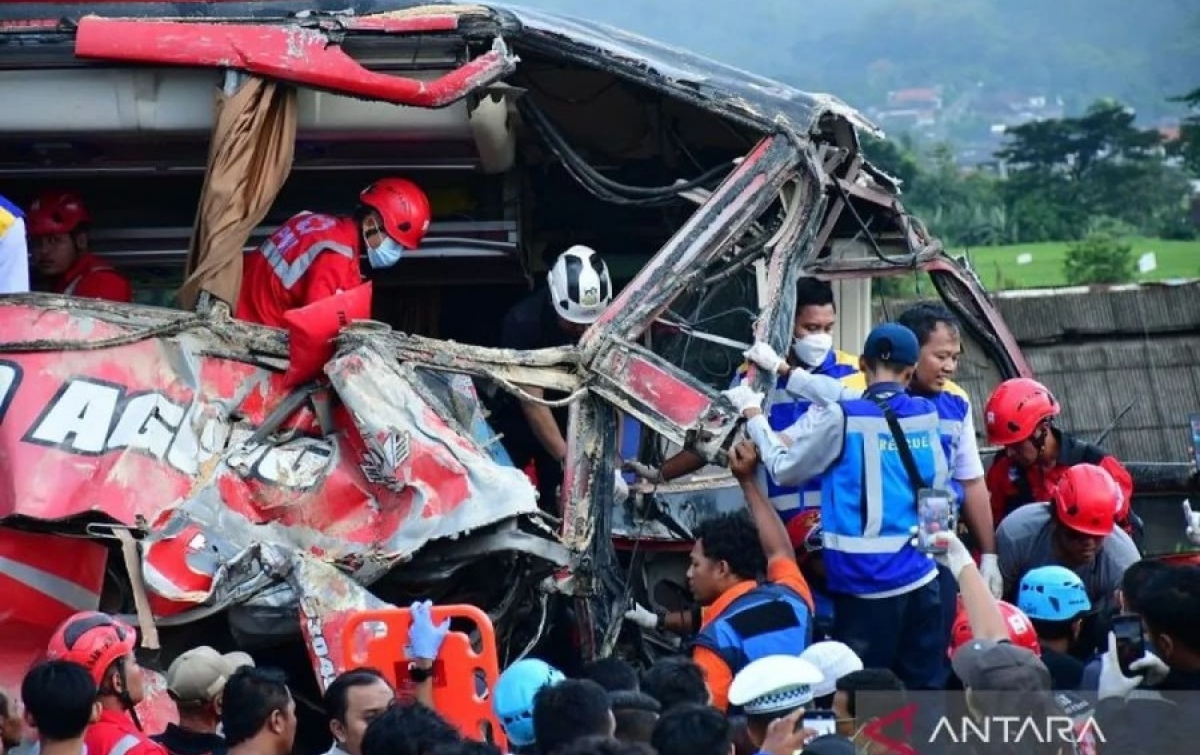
(764, 356)
(644, 471)
(744, 397)
(955, 556)
(1152, 668)
(642, 616)
(1193, 523)
(1112, 682)
(989, 567)
(620, 487)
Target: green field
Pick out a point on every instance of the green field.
(998, 269)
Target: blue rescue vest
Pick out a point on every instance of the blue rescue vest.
(783, 411)
(770, 619)
(869, 505)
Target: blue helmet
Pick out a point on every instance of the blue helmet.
(512, 699)
(1052, 593)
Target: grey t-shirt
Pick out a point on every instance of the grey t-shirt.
(1023, 542)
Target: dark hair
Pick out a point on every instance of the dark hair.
(924, 317)
(1054, 630)
(567, 711)
(675, 680)
(1134, 581)
(59, 696)
(1170, 605)
(873, 365)
(408, 729)
(339, 689)
(811, 292)
(613, 674)
(733, 538)
(636, 714)
(251, 695)
(466, 747)
(871, 680)
(604, 746)
(692, 730)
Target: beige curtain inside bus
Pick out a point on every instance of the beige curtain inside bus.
(253, 143)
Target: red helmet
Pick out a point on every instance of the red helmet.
(1020, 629)
(55, 212)
(1087, 499)
(804, 529)
(1015, 409)
(403, 207)
(94, 640)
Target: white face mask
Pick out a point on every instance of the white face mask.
(812, 349)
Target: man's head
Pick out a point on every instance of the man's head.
(1084, 505)
(890, 354)
(1000, 678)
(104, 646)
(614, 674)
(1134, 581)
(570, 710)
(1018, 416)
(636, 714)
(834, 660)
(863, 696)
(580, 288)
(816, 316)
(514, 695)
(772, 687)
(726, 552)
(692, 729)
(1055, 600)
(60, 700)
(257, 705)
(57, 223)
(394, 218)
(408, 729)
(804, 530)
(1170, 607)
(353, 700)
(940, 339)
(196, 681)
(675, 680)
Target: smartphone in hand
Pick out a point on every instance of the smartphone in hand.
(821, 721)
(935, 514)
(1131, 642)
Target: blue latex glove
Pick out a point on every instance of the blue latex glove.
(424, 637)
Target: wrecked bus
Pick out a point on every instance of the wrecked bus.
(157, 465)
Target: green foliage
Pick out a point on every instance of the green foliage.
(1099, 258)
(1188, 146)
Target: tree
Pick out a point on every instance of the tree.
(1064, 172)
(1188, 146)
(1099, 258)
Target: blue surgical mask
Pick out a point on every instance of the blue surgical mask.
(386, 254)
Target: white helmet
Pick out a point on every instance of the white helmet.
(579, 285)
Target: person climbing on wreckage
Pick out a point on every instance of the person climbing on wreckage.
(315, 255)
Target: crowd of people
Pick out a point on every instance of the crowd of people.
(820, 611)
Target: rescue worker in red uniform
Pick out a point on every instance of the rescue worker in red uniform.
(104, 646)
(1019, 417)
(57, 223)
(314, 255)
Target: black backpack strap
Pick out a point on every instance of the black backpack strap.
(906, 456)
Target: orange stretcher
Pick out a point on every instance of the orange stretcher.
(464, 673)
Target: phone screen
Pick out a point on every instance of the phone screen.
(1131, 644)
(934, 515)
(821, 721)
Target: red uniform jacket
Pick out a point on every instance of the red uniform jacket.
(308, 258)
(93, 278)
(1011, 486)
(115, 734)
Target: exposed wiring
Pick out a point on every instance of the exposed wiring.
(841, 190)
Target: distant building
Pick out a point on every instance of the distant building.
(912, 108)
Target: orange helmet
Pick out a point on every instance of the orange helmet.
(94, 640)
(403, 207)
(804, 529)
(1015, 409)
(56, 212)
(1087, 500)
(1020, 629)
